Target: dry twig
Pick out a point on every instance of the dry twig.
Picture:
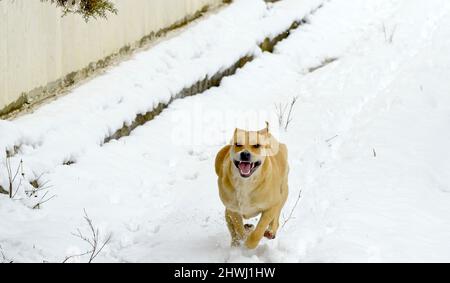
(389, 36)
(293, 209)
(13, 176)
(284, 115)
(3, 258)
(93, 240)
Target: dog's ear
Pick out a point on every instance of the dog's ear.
(238, 133)
(265, 131)
(233, 139)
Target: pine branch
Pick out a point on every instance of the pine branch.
(86, 8)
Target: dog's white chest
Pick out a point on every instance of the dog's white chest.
(245, 205)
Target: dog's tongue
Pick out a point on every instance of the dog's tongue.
(245, 168)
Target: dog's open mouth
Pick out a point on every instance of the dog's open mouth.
(246, 169)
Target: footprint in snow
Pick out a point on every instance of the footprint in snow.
(203, 157)
(125, 242)
(206, 222)
(192, 177)
(157, 229)
(172, 180)
(196, 151)
(132, 226)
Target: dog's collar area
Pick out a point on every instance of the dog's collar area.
(246, 169)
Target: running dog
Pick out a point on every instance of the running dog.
(253, 180)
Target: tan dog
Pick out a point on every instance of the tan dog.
(253, 180)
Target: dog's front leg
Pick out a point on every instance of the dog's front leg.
(256, 236)
(235, 224)
(274, 225)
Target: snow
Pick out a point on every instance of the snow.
(99, 108)
(368, 142)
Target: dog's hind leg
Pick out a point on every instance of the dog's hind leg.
(235, 224)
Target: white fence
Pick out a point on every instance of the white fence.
(38, 47)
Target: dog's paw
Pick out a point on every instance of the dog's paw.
(252, 242)
(251, 245)
(269, 235)
(235, 243)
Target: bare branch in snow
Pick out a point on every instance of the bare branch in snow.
(293, 209)
(16, 178)
(323, 64)
(332, 138)
(93, 240)
(291, 109)
(12, 176)
(285, 113)
(389, 35)
(3, 258)
(281, 112)
(43, 200)
(36, 188)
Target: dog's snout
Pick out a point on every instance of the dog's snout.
(245, 156)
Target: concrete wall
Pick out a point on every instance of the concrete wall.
(38, 47)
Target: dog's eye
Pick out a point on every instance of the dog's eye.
(238, 145)
(257, 146)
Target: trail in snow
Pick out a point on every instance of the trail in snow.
(367, 148)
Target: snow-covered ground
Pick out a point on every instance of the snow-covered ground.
(368, 141)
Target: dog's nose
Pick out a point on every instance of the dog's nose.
(245, 156)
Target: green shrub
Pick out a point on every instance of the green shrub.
(86, 8)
